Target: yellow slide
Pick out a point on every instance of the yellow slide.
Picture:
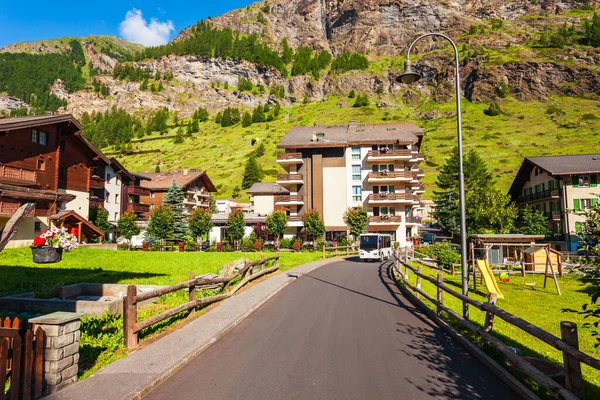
(488, 278)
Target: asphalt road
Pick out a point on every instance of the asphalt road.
(341, 332)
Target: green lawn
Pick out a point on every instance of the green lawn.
(19, 274)
(539, 306)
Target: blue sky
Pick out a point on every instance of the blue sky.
(24, 21)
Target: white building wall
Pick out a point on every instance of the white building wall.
(335, 196)
(112, 201)
(26, 233)
(81, 203)
(263, 204)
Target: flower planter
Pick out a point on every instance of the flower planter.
(46, 254)
(296, 247)
(181, 247)
(145, 246)
(257, 246)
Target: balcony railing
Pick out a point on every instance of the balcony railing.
(391, 175)
(417, 156)
(289, 157)
(386, 219)
(391, 197)
(390, 153)
(553, 215)
(97, 183)
(298, 198)
(8, 209)
(199, 193)
(289, 177)
(96, 202)
(138, 208)
(413, 220)
(294, 218)
(418, 188)
(137, 191)
(16, 175)
(546, 194)
(418, 172)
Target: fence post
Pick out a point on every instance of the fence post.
(420, 269)
(192, 292)
(323, 252)
(573, 378)
(130, 318)
(489, 316)
(440, 293)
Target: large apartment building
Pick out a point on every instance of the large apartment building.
(332, 168)
(558, 186)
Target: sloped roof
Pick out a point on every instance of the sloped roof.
(9, 124)
(267, 188)
(160, 181)
(352, 134)
(70, 216)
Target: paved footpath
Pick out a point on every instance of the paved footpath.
(136, 374)
(339, 332)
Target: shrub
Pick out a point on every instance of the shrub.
(286, 243)
(503, 90)
(493, 110)
(442, 252)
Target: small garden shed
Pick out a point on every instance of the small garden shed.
(534, 259)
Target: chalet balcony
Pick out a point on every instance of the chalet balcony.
(199, 193)
(417, 157)
(290, 179)
(386, 198)
(96, 202)
(290, 158)
(388, 155)
(295, 221)
(196, 203)
(137, 191)
(391, 176)
(297, 199)
(419, 173)
(17, 176)
(385, 220)
(138, 208)
(544, 195)
(413, 220)
(7, 209)
(418, 189)
(97, 183)
(554, 216)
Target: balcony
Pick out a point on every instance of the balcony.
(17, 176)
(419, 173)
(136, 191)
(7, 209)
(96, 202)
(289, 200)
(417, 157)
(391, 176)
(544, 195)
(138, 208)
(418, 189)
(290, 179)
(413, 220)
(295, 221)
(388, 155)
(397, 198)
(199, 193)
(385, 220)
(554, 216)
(290, 158)
(97, 183)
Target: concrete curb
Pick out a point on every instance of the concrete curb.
(134, 376)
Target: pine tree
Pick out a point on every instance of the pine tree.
(252, 173)
(101, 220)
(174, 201)
(246, 120)
(259, 114)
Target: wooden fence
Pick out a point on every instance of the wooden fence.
(21, 362)
(131, 325)
(337, 251)
(568, 343)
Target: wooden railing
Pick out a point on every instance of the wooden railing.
(386, 219)
(543, 195)
(21, 360)
(96, 202)
(391, 175)
(289, 177)
(567, 344)
(18, 174)
(295, 218)
(417, 171)
(416, 155)
(138, 191)
(553, 215)
(131, 325)
(418, 187)
(96, 182)
(337, 251)
(8, 208)
(289, 156)
(390, 153)
(392, 197)
(137, 207)
(297, 198)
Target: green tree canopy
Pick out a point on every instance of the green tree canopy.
(252, 173)
(356, 219)
(534, 222)
(314, 225)
(161, 223)
(101, 220)
(200, 221)
(174, 200)
(127, 225)
(276, 224)
(235, 226)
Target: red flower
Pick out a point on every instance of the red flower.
(39, 241)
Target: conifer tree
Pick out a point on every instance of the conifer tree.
(174, 201)
(252, 173)
(246, 120)
(259, 114)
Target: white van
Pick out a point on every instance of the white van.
(375, 246)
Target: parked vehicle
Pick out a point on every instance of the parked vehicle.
(427, 239)
(375, 246)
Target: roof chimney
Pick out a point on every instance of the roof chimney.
(314, 136)
(352, 124)
(185, 172)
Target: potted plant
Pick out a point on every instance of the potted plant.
(49, 246)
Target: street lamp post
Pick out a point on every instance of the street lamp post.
(409, 76)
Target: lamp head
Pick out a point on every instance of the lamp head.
(409, 76)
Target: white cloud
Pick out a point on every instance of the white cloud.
(135, 28)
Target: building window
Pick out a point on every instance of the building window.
(356, 153)
(62, 173)
(37, 227)
(356, 172)
(152, 195)
(116, 199)
(41, 165)
(43, 138)
(108, 177)
(62, 146)
(356, 193)
(586, 203)
(116, 216)
(34, 135)
(584, 180)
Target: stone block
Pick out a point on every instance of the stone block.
(71, 349)
(52, 330)
(72, 326)
(66, 382)
(57, 366)
(54, 354)
(76, 335)
(56, 318)
(75, 358)
(69, 373)
(53, 379)
(58, 342)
